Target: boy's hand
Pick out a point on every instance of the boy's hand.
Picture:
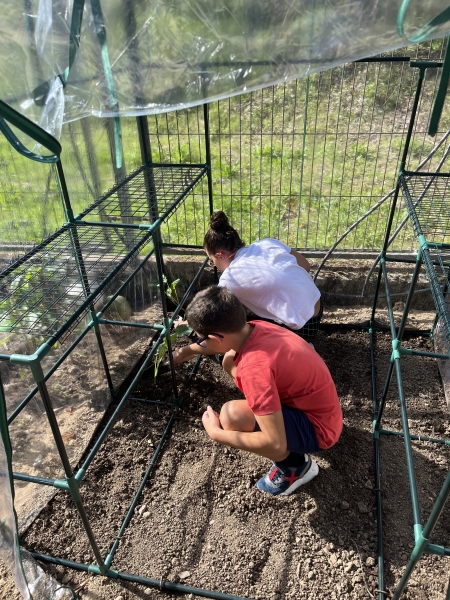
(211, 421)
(179, 321)
(182, 354)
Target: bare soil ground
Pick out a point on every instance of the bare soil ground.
(201, 521)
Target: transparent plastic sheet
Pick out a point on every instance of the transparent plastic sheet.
(440, 346)
(138, 302)
(79, 396)
(66, 59)
(78, 387)
(31, 581)
(42, 585)
(31, 204)
(9, 541)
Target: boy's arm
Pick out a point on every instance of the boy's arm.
(180, 355)
(301, 260)
(269, 442)
(228, 363)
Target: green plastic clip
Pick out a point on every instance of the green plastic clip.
(376, 429)
(396, 350)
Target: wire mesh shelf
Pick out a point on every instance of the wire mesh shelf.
(48, 291)
(427, 198)
(152, 191)
(428, 201)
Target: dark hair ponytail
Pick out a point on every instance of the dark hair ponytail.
(221, 235)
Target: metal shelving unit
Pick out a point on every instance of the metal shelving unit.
(151, 192)
(58, 283)
(427, 199)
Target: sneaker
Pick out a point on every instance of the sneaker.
(282, 482)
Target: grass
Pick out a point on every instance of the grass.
(300, 161)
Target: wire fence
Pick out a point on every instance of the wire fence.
(300, 162)
(303, 161)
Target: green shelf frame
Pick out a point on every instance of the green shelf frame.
(427, 199)
(50, 290)
(46, 293)
(151, 193)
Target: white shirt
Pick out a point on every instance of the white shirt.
(267, 279)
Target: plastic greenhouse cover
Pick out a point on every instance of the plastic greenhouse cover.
(9, 541)
(65, 59)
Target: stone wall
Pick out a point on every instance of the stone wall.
(340, 281)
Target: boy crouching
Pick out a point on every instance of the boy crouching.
(291, 407)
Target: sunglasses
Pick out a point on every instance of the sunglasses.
(200, 340)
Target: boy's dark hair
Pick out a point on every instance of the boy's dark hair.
(220, 235)
(216, 310)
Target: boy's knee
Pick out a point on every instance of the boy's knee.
(230, 416)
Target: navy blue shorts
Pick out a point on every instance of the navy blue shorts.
(300, 434)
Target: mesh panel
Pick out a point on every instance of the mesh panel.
(427, 197)
(44, 288)
(150, 192)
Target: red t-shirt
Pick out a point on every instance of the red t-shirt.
(277, 367)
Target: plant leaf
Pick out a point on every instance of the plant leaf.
(183, 330)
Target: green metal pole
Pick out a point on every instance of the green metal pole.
(47, 375)
(109, 558)
(101, 347)
(33, 479)
(159, 267)
(419, 438)
(378, 496)
(82, 470)
(393, 333)
(384, 396)
(422, 537)
(159, 584)
(70, 479)
(409, 298)
(208, 156)
(408, 446)
(441, 94)
(188, 291)
(79, 260)
(208, 161)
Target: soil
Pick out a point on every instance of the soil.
(200, 520)
(79, 396)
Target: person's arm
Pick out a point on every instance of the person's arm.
(269, 442)
(180, 355)
(301, 260)
(228, 363)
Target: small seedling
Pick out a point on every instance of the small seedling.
(163, 347)
(171, 289)
(184, 329)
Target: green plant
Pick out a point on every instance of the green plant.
(171, 289)
(183, 329)
(163, 348)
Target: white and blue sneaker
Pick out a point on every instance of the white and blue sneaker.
(282, 482)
